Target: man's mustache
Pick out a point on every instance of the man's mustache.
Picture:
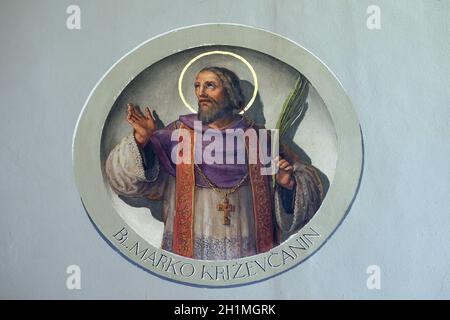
(206, 99)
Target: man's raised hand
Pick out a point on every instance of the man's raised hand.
(143, 125)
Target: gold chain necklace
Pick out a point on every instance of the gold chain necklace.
(225, 207)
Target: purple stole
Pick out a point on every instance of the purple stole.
(262, 195)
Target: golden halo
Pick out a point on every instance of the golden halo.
(255, 79)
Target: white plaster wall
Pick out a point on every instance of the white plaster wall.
(396, 77)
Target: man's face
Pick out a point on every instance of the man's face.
(213, 102)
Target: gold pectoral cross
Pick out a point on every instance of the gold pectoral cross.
(226, 207)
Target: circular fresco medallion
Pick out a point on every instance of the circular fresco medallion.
(210, 220)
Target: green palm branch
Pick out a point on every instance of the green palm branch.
(293, 108)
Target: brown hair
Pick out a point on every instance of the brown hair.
(231, 83)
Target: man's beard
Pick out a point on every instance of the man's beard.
(213, 112)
